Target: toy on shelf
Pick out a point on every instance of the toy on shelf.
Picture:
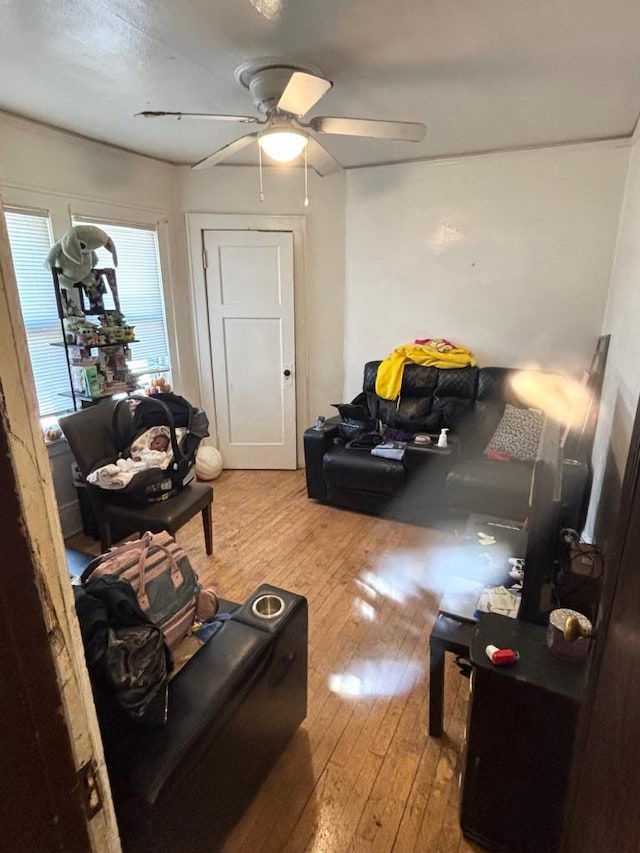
(114, 330)
(98, 353)
(78, 331)
(75, 255)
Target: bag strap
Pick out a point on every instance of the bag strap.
(95, 564)
(176, 574)
(144, 545)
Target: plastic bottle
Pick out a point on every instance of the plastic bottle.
(442, 440)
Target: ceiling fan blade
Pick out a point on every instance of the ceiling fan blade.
(201, 116)
(320, 160)
(302, 92)
(225, 152)
(404, 131)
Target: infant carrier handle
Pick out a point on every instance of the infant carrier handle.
(179, 462)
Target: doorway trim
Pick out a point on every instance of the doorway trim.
(195, 224)
(43, 565)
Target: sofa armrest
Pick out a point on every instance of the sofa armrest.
(316, 443)
(489, 487)
(418, 459)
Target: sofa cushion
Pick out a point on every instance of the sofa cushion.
(417, 381)
(491, 487)
(359, 470)
(430, 397)
(450, 411)
(411, 414)
(412, 411)
(517, 435)
(495, 385)
(457, 383)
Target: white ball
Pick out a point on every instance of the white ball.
(208, 463)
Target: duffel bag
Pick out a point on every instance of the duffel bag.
(164, 581)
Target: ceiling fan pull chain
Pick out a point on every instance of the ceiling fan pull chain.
(261, 196)
(306, 184)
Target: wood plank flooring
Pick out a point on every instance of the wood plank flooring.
(361, 773)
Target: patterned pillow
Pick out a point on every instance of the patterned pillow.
(517, 436)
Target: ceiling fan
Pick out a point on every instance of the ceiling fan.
(283, 94)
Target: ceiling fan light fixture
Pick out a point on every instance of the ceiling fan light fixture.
(283, 145)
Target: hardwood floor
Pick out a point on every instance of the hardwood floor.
(361, 773)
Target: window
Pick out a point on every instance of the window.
(139, 286)
(30, 238)
(139, 291)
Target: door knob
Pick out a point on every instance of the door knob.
(287, 372)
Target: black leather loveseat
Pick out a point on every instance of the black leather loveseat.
(232, 708)
(470, 401)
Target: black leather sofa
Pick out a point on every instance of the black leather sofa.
(232, 709)
(427, 483)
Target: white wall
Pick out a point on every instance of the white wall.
(622, 376)
(43, 159)
(320, 332)
(507, 254)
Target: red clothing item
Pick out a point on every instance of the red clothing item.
(437, 342)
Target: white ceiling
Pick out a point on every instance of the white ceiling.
(482, 74)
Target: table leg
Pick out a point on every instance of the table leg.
(436, 686)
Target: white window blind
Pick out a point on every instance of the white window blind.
(30, 239)
(139, 286)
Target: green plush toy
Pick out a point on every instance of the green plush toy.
(75, 255)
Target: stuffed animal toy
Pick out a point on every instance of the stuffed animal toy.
(75, 255)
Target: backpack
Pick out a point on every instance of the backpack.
(125, 652)
(169, 410)
(355, 421)
(162, 577)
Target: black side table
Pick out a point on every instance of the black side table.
(447, 635)
(452, 632)
(520, 736)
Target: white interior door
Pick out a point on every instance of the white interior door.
(249, 285)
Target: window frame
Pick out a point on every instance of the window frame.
(63, 207)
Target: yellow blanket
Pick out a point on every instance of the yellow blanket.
(389, 378)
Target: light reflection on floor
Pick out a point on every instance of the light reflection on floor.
(392, 591)
(398, 592)
(367, 611)
(377, 678)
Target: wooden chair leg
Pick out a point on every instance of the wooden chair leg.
(207, 527)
